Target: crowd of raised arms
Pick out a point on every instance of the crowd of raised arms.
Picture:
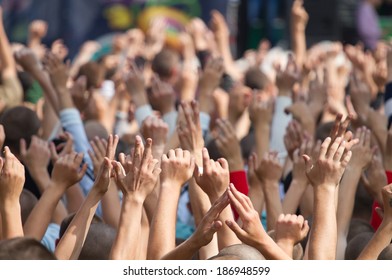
(151, 152)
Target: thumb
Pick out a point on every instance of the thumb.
(82, 171)
(236, 229)
(308, 163)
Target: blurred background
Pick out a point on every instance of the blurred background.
(76, 21)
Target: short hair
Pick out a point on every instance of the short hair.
(165, 62)
(23, 248)
(241, 251)
(356, 245)
(19, 123)
(358, 226)
(27, 202)
(386, 254)
(99, 239)
(256, 79)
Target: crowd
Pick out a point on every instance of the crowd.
(149, 151)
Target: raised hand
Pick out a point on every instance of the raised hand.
(68, 170)
(155, 128)
(298, 14)
(28, 60)
(38, 29)
(260, 112)
(64, 148)
(290, 230)
(293, 137)
(12, 178)
(328, 168)
(362, 153)
(252, 232)
(58, 71)
(177, 167)
(228, 145)
(215, 177)
(135, 84)
(285, 79)
(142, 173)
(269, 168)
(203, 234)
(59, 49)
(189, 130)
(163, 96)
(37, 156)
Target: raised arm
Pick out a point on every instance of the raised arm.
(66, 172)
(299, 20)
(324, 173)
(73, 239)
(382, 237)
(12, 178)
(361, 156)
(269, 172)
(7, 62)
(177, 169)
(136, 180)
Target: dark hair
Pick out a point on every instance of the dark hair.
(99, 239)
(164, 63)
(356, 245)
(255, 79)
(23, 248)
(19, 123)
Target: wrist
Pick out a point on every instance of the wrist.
(300, 181)
(171, 185)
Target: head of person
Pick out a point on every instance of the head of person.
(356, 245)
(238, 252)
(258, 81)
(386, 254)
(166, 64)
(99, 239)
(19, 123)
(23, 248)
(358, 226)
(27, 202)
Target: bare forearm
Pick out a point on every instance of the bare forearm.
(162, 234)
(273, 204)
(262, 135)
(293, 196)
(322, 244)
(111, 206)
(270, 250)
(6, 56)
(40, 217)
(128, 231)
(11, 221)
(71, 243)
(299, 44)
(380, 240)
(184, 251)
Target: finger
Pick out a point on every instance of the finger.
(324, 147)
(243, 199)
(344, 126)
(333, 148)
(206, 161)
(336, 126)
(236, 229)
(223, 162)
(340, 151)
(82, 171)
(308, 163)
(346, 159)
(147, 151)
